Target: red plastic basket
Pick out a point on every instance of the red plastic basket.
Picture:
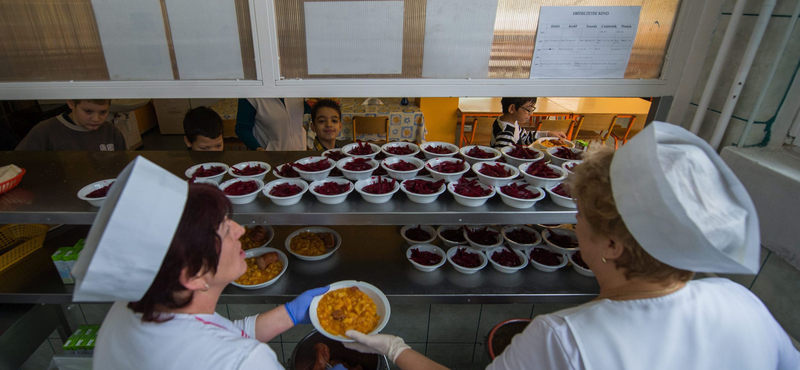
(10, 184)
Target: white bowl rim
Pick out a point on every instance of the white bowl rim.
(405, 228)
(483, 257)
(402, 158)
(500, 236)
(229, 182)
(398, 143)
(403, 188)
(86, 188)
(351, 145)
(539, 154)
(314, 229)
(347, 284)
(267, 283)
(494, 250)
(447, 159)
(340, 164)
(528, 228)
(465, 149)
(558, 169)
(477, 166)
(337, 180)
(190, 171)
(311, 159)
(436, 250)
(287, 180)
(541, 191)
(439, 143)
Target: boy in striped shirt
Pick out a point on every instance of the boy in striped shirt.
(506, 130)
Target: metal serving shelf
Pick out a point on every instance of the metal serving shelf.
(374, 254)
(48, 194)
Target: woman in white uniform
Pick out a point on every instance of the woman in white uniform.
(650, 215)
(166, 273)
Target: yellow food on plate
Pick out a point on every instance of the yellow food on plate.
(347, 309)
(308, 244)
(255, 275)
(254, 237)
(550, 143)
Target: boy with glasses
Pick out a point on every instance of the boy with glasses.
(506, 130)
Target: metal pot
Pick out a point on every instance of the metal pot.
(304, 356)
(500, 336)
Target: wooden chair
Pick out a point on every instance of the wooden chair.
(563, 125)
(481, 131)
(620, 133)
(371, 125)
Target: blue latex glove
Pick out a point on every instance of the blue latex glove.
(338, 367)
(298, 308)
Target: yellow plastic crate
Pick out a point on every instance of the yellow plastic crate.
(32, 236)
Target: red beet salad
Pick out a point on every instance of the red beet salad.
(249, 170)
(285, 190)
(522, 152)
(320, 165)
(521, 236)
(382, 186)
(561, 190)
(100, 193)
(541, 169)
(286, 170)
(507, 258)
(362, 148)
(425, 258)
(439, 149)
(519, 191)
(208, 172)
(332, 188)
(495, 170)
(402, 165)
(545, 257)
(417, 234)
(358, 164)
(471, 188)
(566, 153)
(483, 235)
(241, 188)
(454, 235)
(464, 258)
(448, 166)
(399, 150)
(418, 186)
(477, 152)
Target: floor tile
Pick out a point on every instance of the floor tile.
(453, 323)
(545, 308)
(409, 321)
(296, 333)
(95, 313)
(287, 351)
(57, 345)
(480, 356)
(493, 314)
(450, 354)
(278, 351)
(74, 316)
(778, 286)
(40, 359)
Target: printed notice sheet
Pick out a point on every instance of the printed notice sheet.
(584, 41)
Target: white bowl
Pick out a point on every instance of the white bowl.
(466, 270)
(255, 252)
(492, 180)
(542, 267)
(376, 198)
(514, 161)
(505, 269)
(426, 248)
(556, 248)
(422, 198)
(473, 160)
(375, 150)
(538, 143)
(448, 242)
(518, 202)
(381, 303)
(334, 150)
(314, 175)
(429, 229)
(331, 199)
(242, 165)
(428, 155)
(246, 198)
(517, 245)
(560, 199)
(482, 247)
(580, 269)
(470, 201)
(285, 201)
(216, 178)
(356, 175)
(567, 166)
(97, 202)
(314, 229)
(558, 161)
(542, 182)
(414, 149)
(402, 175)
(280, 168)
(448, 177)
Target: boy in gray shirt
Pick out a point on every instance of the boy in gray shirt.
(83, 128)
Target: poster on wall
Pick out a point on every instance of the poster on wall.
(584, 41)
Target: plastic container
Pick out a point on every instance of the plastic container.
(11, 183)
(33, 236)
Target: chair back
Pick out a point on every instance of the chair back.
(482, 131)
(562, 125)
(371, 125)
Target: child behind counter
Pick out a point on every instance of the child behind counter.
(506, 130)
(326, 122)
(84, 127)
(203, 128)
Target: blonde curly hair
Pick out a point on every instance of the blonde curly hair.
(590, 185)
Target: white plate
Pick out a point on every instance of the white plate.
(336, 237)
(381, 303)
(255, 252)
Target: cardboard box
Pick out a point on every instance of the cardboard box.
(170, 114)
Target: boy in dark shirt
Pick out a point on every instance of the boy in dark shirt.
(83, 128)
(202, 128)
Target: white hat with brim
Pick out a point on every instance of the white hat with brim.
(683, 204)
(130, 235)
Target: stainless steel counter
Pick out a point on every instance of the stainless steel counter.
(48, 194)
(373, 254)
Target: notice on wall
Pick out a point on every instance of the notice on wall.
(584, 41)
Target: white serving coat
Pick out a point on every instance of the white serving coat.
(279, 126)
(709, 324)
(187, 341)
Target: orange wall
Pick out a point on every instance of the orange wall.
(441, 115)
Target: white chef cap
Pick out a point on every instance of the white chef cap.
(683, 204)
(130, 235)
